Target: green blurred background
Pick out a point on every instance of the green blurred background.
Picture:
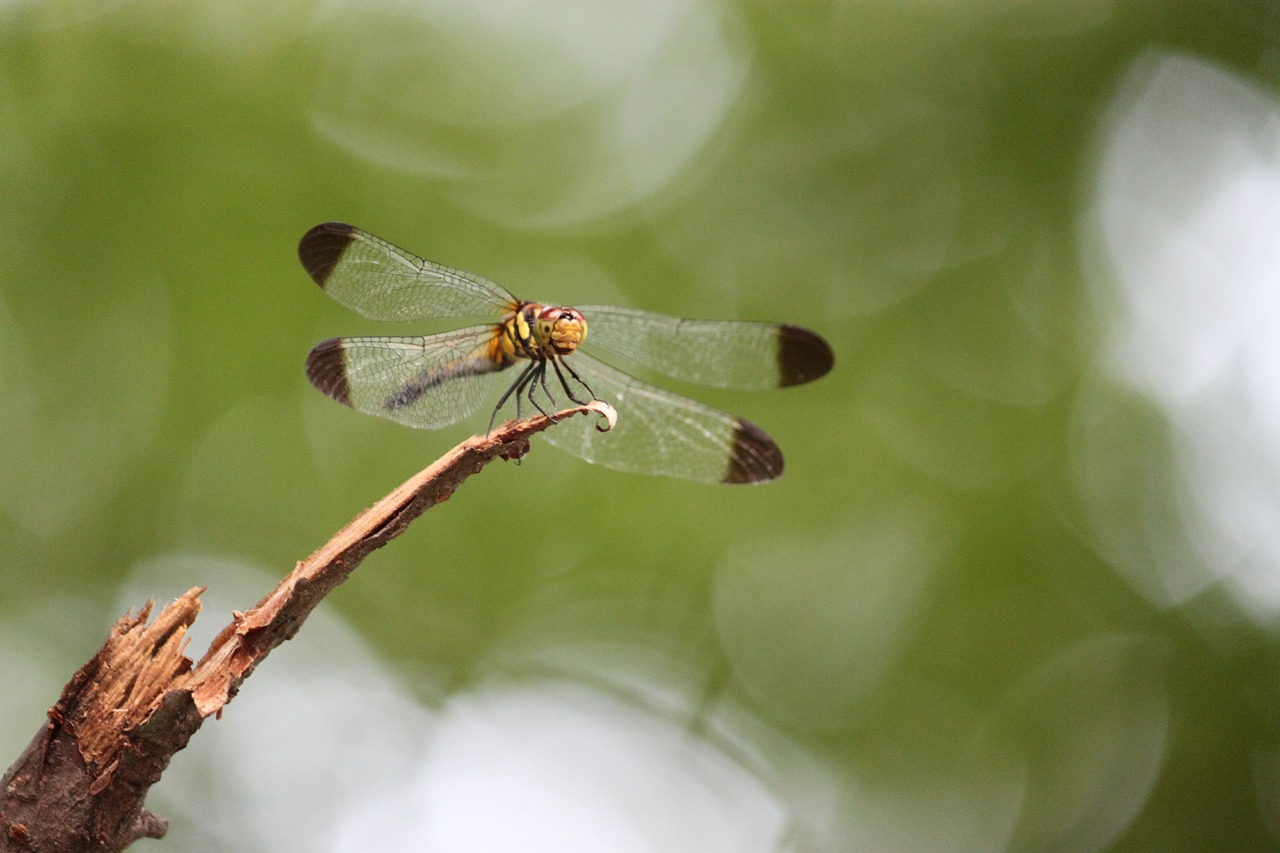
(1018, 589)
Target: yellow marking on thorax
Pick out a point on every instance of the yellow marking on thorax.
(502, 348)
(515, 337)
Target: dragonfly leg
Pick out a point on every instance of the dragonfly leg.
(517, 388)
(542, 380)
(565, 385)
(540, 373)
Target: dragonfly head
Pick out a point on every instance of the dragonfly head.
(562, 329)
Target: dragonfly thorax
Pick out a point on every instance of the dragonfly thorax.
(541, 331)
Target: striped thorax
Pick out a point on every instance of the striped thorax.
(537, 332)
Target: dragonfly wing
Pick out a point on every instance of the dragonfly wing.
(384, 282)
(427, 383)
(662, 433)
(718, 353)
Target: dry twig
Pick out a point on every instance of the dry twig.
(81, 783)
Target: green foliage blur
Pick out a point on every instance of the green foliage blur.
(932, 606)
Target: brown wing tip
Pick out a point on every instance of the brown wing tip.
(321, 248)
(755, 457)
(803, 356)
(327, 370)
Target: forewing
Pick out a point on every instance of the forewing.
(427, 383)
(662, 433)
(384, 282)
(718, 353)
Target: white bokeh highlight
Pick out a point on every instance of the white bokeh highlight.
(561, 767)
(530, 115)
(1183, 245)
(327, 749)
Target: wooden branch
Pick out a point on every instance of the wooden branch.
(81, 783)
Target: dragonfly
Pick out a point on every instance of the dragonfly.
(433, 381)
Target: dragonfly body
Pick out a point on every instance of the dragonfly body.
(437, 380)
(537, 333)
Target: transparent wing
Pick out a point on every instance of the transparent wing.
(383, 282)
(719, 353)
(428, 383)
(662, 433)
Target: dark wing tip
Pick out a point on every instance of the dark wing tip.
(755, 457)
(327, 370)
(803, 356)
(321, 248)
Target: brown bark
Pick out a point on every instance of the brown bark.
(81, 782)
